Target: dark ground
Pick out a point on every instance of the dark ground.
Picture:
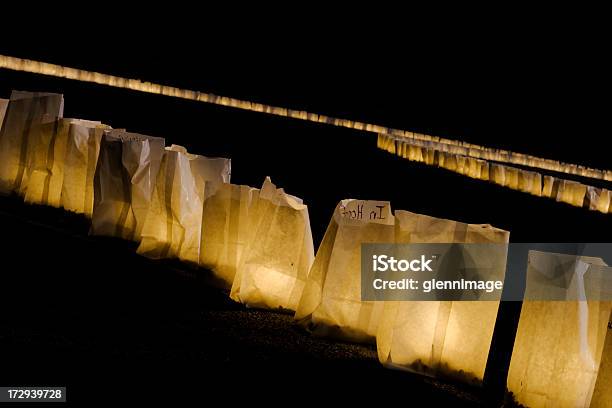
(91, 314)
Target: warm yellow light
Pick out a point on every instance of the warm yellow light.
(531, 182)
(278, 253)
(559, 344)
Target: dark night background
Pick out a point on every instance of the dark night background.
(88, 313)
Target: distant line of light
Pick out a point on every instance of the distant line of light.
(532, 182)
(441, 144)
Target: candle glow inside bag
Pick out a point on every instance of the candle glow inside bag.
(125, 177)
(559, 343)
(44, 173)
(3, 105)
(447, 338)
(331, 304)
(225, 230)
(602, 395)
(25, 114)
(276, 261)
(173, 225)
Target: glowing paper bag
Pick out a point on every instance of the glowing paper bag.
(462, 165)
(511, 179)
(211, 172)
(449, 162)
(602, 396)
(598, 199)
(275, 264)
(484, 170)
(82, 149)
(331, 303)
(530, 182)
(125, 177)
(448, 338)
(380, 141)
(388, 143)
(571, 192)
(225, 230)
(402, 149)
(550, 187)
(25, 113)
(497, 174)
(3, 106)
(414, 153)
(474, 167)
(173, 225)
(430, 156)
(44, 169)
(558, 345)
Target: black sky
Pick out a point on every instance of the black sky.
(526, 81)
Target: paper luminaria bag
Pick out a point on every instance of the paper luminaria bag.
(602, 395)
(82, 149)
(331, 303)
(440, 338)
(279, 252)
(44, 167)
(225, 230)
(571, 192)
(125, 177)
(3, 106)
(598, 199)
(559, 344)
(530, 182)
(25, 113)
(173, 225)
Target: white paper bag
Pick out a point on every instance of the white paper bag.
(447, 338)
(559, 344)
(430, 157)
(602, 396)
(497, 174)
(25, 113)
(173, 225)
(474, 169)
(125, 177)
(225, 230)
(462, 165)
(511, 179)
(44, 168)
(275, 264)
(598, 199)
(530, 182)
(571, 192)
(82, 149)
(484, 170)
(3, 106)
(331, 303)
(550, 187)
(448, 161)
